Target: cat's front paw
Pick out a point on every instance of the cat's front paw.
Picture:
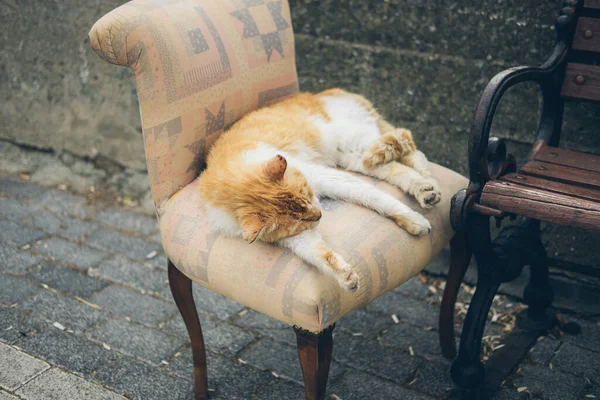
(426, 191)
(413, 223)
(350, 282)
(346, 277)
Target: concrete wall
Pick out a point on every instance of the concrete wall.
(55, 92)
(423, 63)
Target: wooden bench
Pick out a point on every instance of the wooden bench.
(553, 185)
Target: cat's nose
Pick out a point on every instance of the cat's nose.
(314, 217)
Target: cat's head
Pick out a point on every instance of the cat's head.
(276, 202)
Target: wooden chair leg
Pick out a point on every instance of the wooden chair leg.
(315, 351)
(460, 256)
(181, 289)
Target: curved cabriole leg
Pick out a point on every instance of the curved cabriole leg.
(181, 289)
(314, 351)
(460, 256)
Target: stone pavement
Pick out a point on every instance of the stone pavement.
(86, 313)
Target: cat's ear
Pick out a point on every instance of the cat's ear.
(252, 226)
(275, 168)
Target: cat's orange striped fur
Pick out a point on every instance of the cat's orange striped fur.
(265, 174)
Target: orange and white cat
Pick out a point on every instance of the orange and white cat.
(265, 174)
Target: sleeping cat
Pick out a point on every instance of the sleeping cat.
(265, 174)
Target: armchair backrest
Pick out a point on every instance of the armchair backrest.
(199, 66)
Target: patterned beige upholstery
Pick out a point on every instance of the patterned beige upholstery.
(199, 66)
(275, 282)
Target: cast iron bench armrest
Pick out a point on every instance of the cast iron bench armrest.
(545, 76)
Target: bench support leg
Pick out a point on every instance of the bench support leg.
(498, 261)
(538, 294)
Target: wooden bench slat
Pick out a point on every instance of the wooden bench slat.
(582, 81)
(592, 4)
(587, 34)
(562, 173)
(542, 196)
(553, 186)
(570, 158)
(553, 213)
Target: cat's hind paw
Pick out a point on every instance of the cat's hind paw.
(414, 223)
(391, 146)
(427, 192)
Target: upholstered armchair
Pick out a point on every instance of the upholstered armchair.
(199, 66)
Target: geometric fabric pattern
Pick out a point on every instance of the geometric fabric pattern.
(199, 66)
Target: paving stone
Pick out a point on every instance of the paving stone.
(508, 393)
(67, 280)
(543, 351)
(365, 323)
(404, 336)
(182, 364)
(412, 311)
(69, 253)
(138, 307)
(13, 290)
(433, 378)
(72, 228)
(65, 350)
(542, 382)
(7, 396)
(283, 360)
(238, 381)
(15, 325)
(589, 337)
(128, 221)
(15, 209)
(55, 248)
(579, 361)
(19, 190)
(58, 385)
(210, 302)
(68, 312)
(267, 326)
(215, 303)
(356, 385)
(22, 367)
(155, 238)
(140, 381)
(593, 390)
(159, 261)
(369, 356)
(64, 203)
(414, 288)
(117, 242)
(219, 336)
(85, 257)
(17, 261)
(130, 273)
(136, 340)
(17, 234)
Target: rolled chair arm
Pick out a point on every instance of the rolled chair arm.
(108, 36)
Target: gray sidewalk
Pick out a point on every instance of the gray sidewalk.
(86, 313)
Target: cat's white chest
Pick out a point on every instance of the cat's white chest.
(351, 128)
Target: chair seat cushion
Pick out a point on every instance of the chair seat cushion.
(273, 281)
